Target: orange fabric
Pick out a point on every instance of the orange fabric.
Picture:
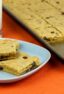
(48, 80)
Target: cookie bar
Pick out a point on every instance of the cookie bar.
(53, 36)
(58, 4)
(8, 49)
(19, 65)
(38, 18)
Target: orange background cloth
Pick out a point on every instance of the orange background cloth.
(48, 80)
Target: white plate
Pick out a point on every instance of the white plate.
(33, 50)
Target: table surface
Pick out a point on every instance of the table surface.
(48, 80)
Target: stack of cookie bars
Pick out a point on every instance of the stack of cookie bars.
(44, 17)
(13, 61)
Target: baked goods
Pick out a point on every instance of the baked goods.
(13, 61)
(53, 36)
(40, 19)
(27, 57)
(59, 4)
(49, 13)
(19, 65)
(8, 49)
